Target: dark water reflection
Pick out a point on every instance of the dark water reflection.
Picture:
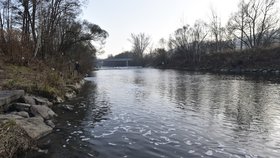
(167, 113)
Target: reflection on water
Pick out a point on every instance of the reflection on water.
(168, 113)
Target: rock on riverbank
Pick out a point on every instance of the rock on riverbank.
(26, 118)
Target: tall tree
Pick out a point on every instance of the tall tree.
(199, 32)
(216, 29)
(140, 43)
(256, 23)
(236, 24)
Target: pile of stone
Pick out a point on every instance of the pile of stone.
(30, 113)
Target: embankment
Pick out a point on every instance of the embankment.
(26, 115)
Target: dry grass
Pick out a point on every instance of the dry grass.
(14, 140)
(38, 80)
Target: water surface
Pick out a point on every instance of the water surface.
(150, 113)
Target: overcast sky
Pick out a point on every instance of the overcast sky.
(157, 18)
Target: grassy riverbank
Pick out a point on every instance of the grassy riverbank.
(38, 79)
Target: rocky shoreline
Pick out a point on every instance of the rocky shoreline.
(25, 118)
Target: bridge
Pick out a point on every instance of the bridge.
(114, 62)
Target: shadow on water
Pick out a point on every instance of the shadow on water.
(69, 137)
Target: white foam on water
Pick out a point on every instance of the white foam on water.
(191, 152)
(209, 153)
(126, 128)
(147, 133)
(164, 132)
(165, 138)
(90, 155)
(172, 135)
(105, 134)
(188, 143)
(198, 143)
(112, 144)
(85, 139)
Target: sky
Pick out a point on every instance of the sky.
(156, 18)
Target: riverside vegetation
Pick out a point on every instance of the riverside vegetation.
(28, 117)
(247, 43)
(40, 42)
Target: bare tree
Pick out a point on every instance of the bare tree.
(256, 23)
(199, 32)
(236, 25)
(181, 39)
(140, 42)
(162, 43)
(216, 29)
(47, 30)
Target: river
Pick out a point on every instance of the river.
(151, 113)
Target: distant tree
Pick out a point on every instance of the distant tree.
(236, 25)
(216, 29)
(140, 43)
(181, 38)
(162, 43)
(199, 32)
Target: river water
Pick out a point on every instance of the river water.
(150, 113)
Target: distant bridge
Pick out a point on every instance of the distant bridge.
(115, 62)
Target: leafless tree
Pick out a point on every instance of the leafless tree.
(216, 29)
(47, 30)
(139, 42)
(199, 32)
(256, 23)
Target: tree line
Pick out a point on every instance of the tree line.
(254, 25)
(48, 31)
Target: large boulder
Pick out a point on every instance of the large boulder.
(42, 101)
(50, 123)
(7, 117)
(29, 99)
(7, 97)
(43, 111)
(21, 113)
(35, 127)
(35, 100)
